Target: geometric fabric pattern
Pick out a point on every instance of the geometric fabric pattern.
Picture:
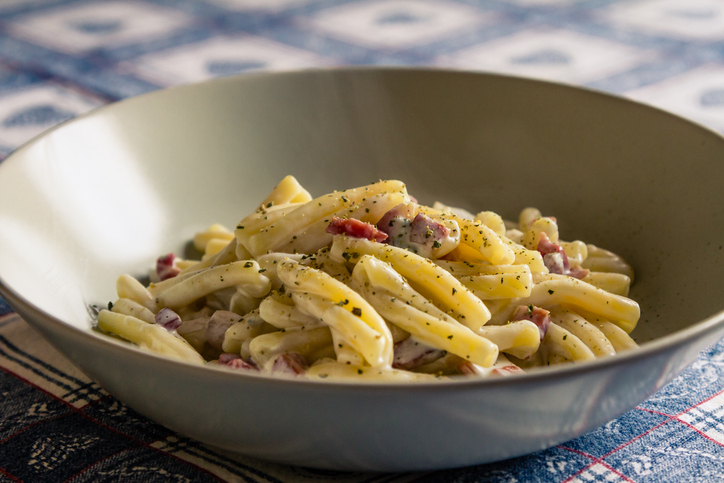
(61, 58)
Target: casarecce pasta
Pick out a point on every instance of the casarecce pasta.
(366, 284)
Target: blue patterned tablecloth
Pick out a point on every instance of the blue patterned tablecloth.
(59, 58)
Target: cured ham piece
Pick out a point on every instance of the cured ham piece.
(217, 326)
(168, 319)
(540, 317)
(410, 353)
(290, 363)
(236, 362)
(355, 228)
(502, 367)
(425, 230)
(418, 233)
(403, 211)
(556, 260)
(166, 267)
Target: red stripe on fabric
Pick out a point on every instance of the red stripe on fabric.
(25, 428)
(618, 448)
(656, 412)
(141, 443)
(676, 417)
(700, 403)
(615, 471)
(669, 418)
(602, 463)
(572, 450)
(5, 473)
(701, 432)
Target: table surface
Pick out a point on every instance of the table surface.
(60, 58)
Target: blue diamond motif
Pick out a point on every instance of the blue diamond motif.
(4, 308)
(37, 116)
(546, 56)
(712, 98)
(228, 67)
(700, 14)
(97, 27)
(400, 18)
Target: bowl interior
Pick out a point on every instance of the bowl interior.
(107, 193)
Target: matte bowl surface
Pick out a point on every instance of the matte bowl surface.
(108, 192)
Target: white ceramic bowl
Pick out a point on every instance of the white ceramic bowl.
(108, 192)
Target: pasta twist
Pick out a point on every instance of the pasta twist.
(367, 284)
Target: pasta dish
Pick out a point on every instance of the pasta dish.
(367, 284)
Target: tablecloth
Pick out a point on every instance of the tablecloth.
(60, 58)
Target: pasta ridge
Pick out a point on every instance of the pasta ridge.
(367, 284)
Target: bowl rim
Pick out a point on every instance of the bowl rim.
(648, 349)
(367, 69)
(645, 351)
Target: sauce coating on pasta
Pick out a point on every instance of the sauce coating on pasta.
(366, 284)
